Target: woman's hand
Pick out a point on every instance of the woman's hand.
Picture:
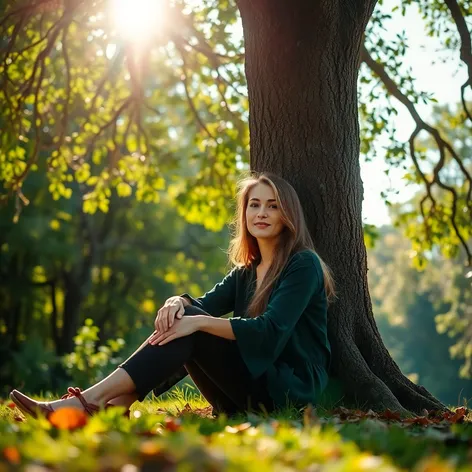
(173, 308)
(182, 327)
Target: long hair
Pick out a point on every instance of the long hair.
(244, 249)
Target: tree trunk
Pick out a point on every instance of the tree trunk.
(302, 60)
(71, 315)
(78, 281)
(54, 319)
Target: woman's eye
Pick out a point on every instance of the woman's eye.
(255, 205)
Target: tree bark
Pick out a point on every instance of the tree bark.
(302, 60)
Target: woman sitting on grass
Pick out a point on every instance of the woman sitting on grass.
(272, 353)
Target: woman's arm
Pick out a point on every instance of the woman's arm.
(189, 325)
(216, 326)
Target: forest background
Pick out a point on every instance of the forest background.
(86, 264)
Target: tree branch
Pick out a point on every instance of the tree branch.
(65, 117)
(23, 11)
(189, 97)
(109, 123)
(466, 47)
(442, 144)
(54, 317)
(25, 89)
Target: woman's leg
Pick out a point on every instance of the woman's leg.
(147, 366)
(124, 400)
(223, 378)
(216, 397)
(151, 365)
(216, 364)
(117, 389)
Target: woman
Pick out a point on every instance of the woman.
(274, 351)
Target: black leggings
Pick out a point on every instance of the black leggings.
(214, 364)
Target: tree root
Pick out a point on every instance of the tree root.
(374, 381)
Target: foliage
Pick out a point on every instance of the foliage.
(88, 364)
(437, 234)
(454, 291)
(406, 303)
(441, 216)
(31, 362)
(60, 266)
(109, 113)
(457, 321)
(114, 116)
(371, 235)
(338, 440)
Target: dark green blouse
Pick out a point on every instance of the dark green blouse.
(288, 343)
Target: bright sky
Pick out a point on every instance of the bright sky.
(444, 80)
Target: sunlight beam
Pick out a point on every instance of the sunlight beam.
(137, 20)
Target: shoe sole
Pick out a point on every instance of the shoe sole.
(24, 409)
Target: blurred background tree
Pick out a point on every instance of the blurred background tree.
(407, 304)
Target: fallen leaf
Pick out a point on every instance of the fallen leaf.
(341, 412)
(11, 405)
(238, 428)
(420, 420)
(68, 418)
(172, 424)
(149, 448)
(12, 455)
(390, 415)
(457, 416)
(204, 412)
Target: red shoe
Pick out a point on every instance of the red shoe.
(33, 408)
(29, 406)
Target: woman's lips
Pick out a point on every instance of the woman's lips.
(262, 225)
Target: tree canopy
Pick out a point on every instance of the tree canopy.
(109, 107)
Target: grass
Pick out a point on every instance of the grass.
(179, 433)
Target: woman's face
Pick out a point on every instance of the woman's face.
(263, 216)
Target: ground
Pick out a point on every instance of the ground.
(180, 433)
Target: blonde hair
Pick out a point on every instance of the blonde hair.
(244, 249)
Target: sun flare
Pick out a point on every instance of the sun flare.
(137, 20)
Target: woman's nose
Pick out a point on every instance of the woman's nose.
(262, 213)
